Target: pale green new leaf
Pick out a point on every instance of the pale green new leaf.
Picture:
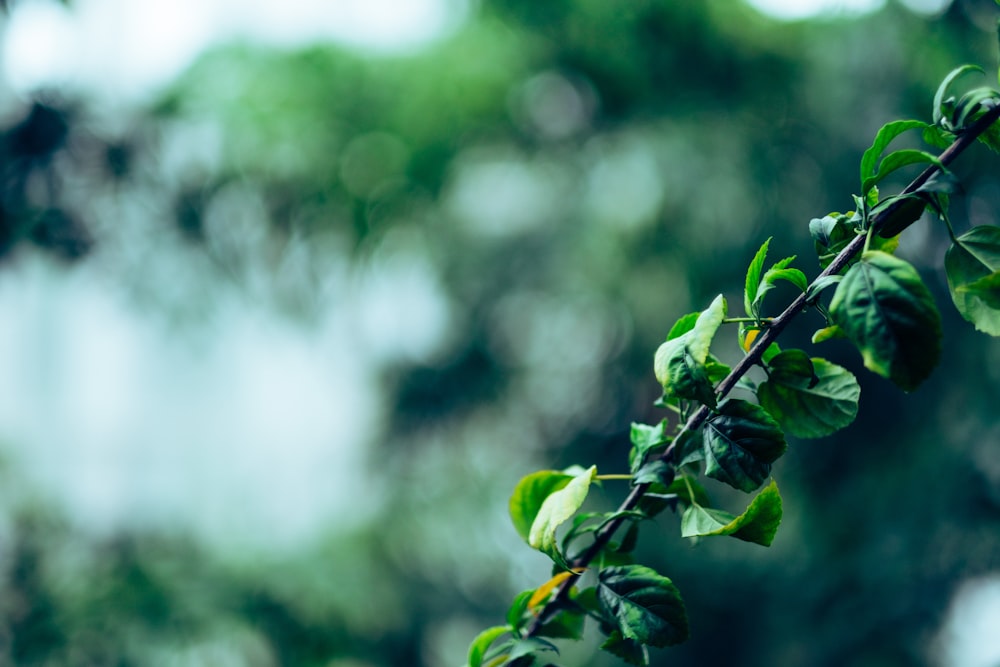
(530, 493)
(889, 315)
(758, 524)
(680, 363)
(972, 257)
(809, 402)
(481, 644)
(558, 508)
(645, 605)
(753, 278)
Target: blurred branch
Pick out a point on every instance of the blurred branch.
(603, 536)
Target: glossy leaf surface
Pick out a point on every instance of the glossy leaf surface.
(887, 312)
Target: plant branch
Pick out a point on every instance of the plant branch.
(753, 357)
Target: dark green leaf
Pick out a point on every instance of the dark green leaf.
(809, 402)
(971, 105)
(530, 493)
(688, 448)
(568, 624)
(753, 278)
(559, 507)
(629, 650)
(741, 442)
(820, 284)
(646, 606)
(481, 644)
(758, 524)
(972, 257)
(889, 315)
(654, 471)
(680, 362)
(899, 215)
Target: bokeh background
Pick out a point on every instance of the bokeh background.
(292, 294)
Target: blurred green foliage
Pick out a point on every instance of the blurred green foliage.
(572, 176)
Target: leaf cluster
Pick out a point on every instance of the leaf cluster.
(879, 303)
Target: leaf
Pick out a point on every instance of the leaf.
(986, 288)
(644, 439)
(629, 650)
(654, 471)
(897, 160)
(684, 324)
(939, 96)
(481, 644)
(558, 508)
(889, 315)
(830, 234)
(741, 442)
(688, 448)
(530, 493)
(884, 137)
(897, 217)
(820, 284)
(518, 608)
(690, 491)
(809, 403)
(645, 605)
(543, 592)
(753, 278)
(568, 624)
(679, 363)
(827, 333)
(758, 524)
(973, 256)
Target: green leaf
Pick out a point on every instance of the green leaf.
(522, 648)
(644, 439)
(902, 213)
(889, 315)
(885, 135)
(568, 624)
(629, 650)
(481, 644)
(973, 256)
(684, 324)
(809, 402)
(741, 442)
(680, 363)
(690, 491)
(827, 333)
(688, 448)
(645, 605)
(971, 105)
(986, 288)
(939, 96)
(753, 278)
(654, 471)
(831, 234)
(758, 524)
(530, 493)
(897, 160)
(558, 508)
(518, 608)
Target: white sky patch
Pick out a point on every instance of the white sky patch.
(791, 10)
(124, 49)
